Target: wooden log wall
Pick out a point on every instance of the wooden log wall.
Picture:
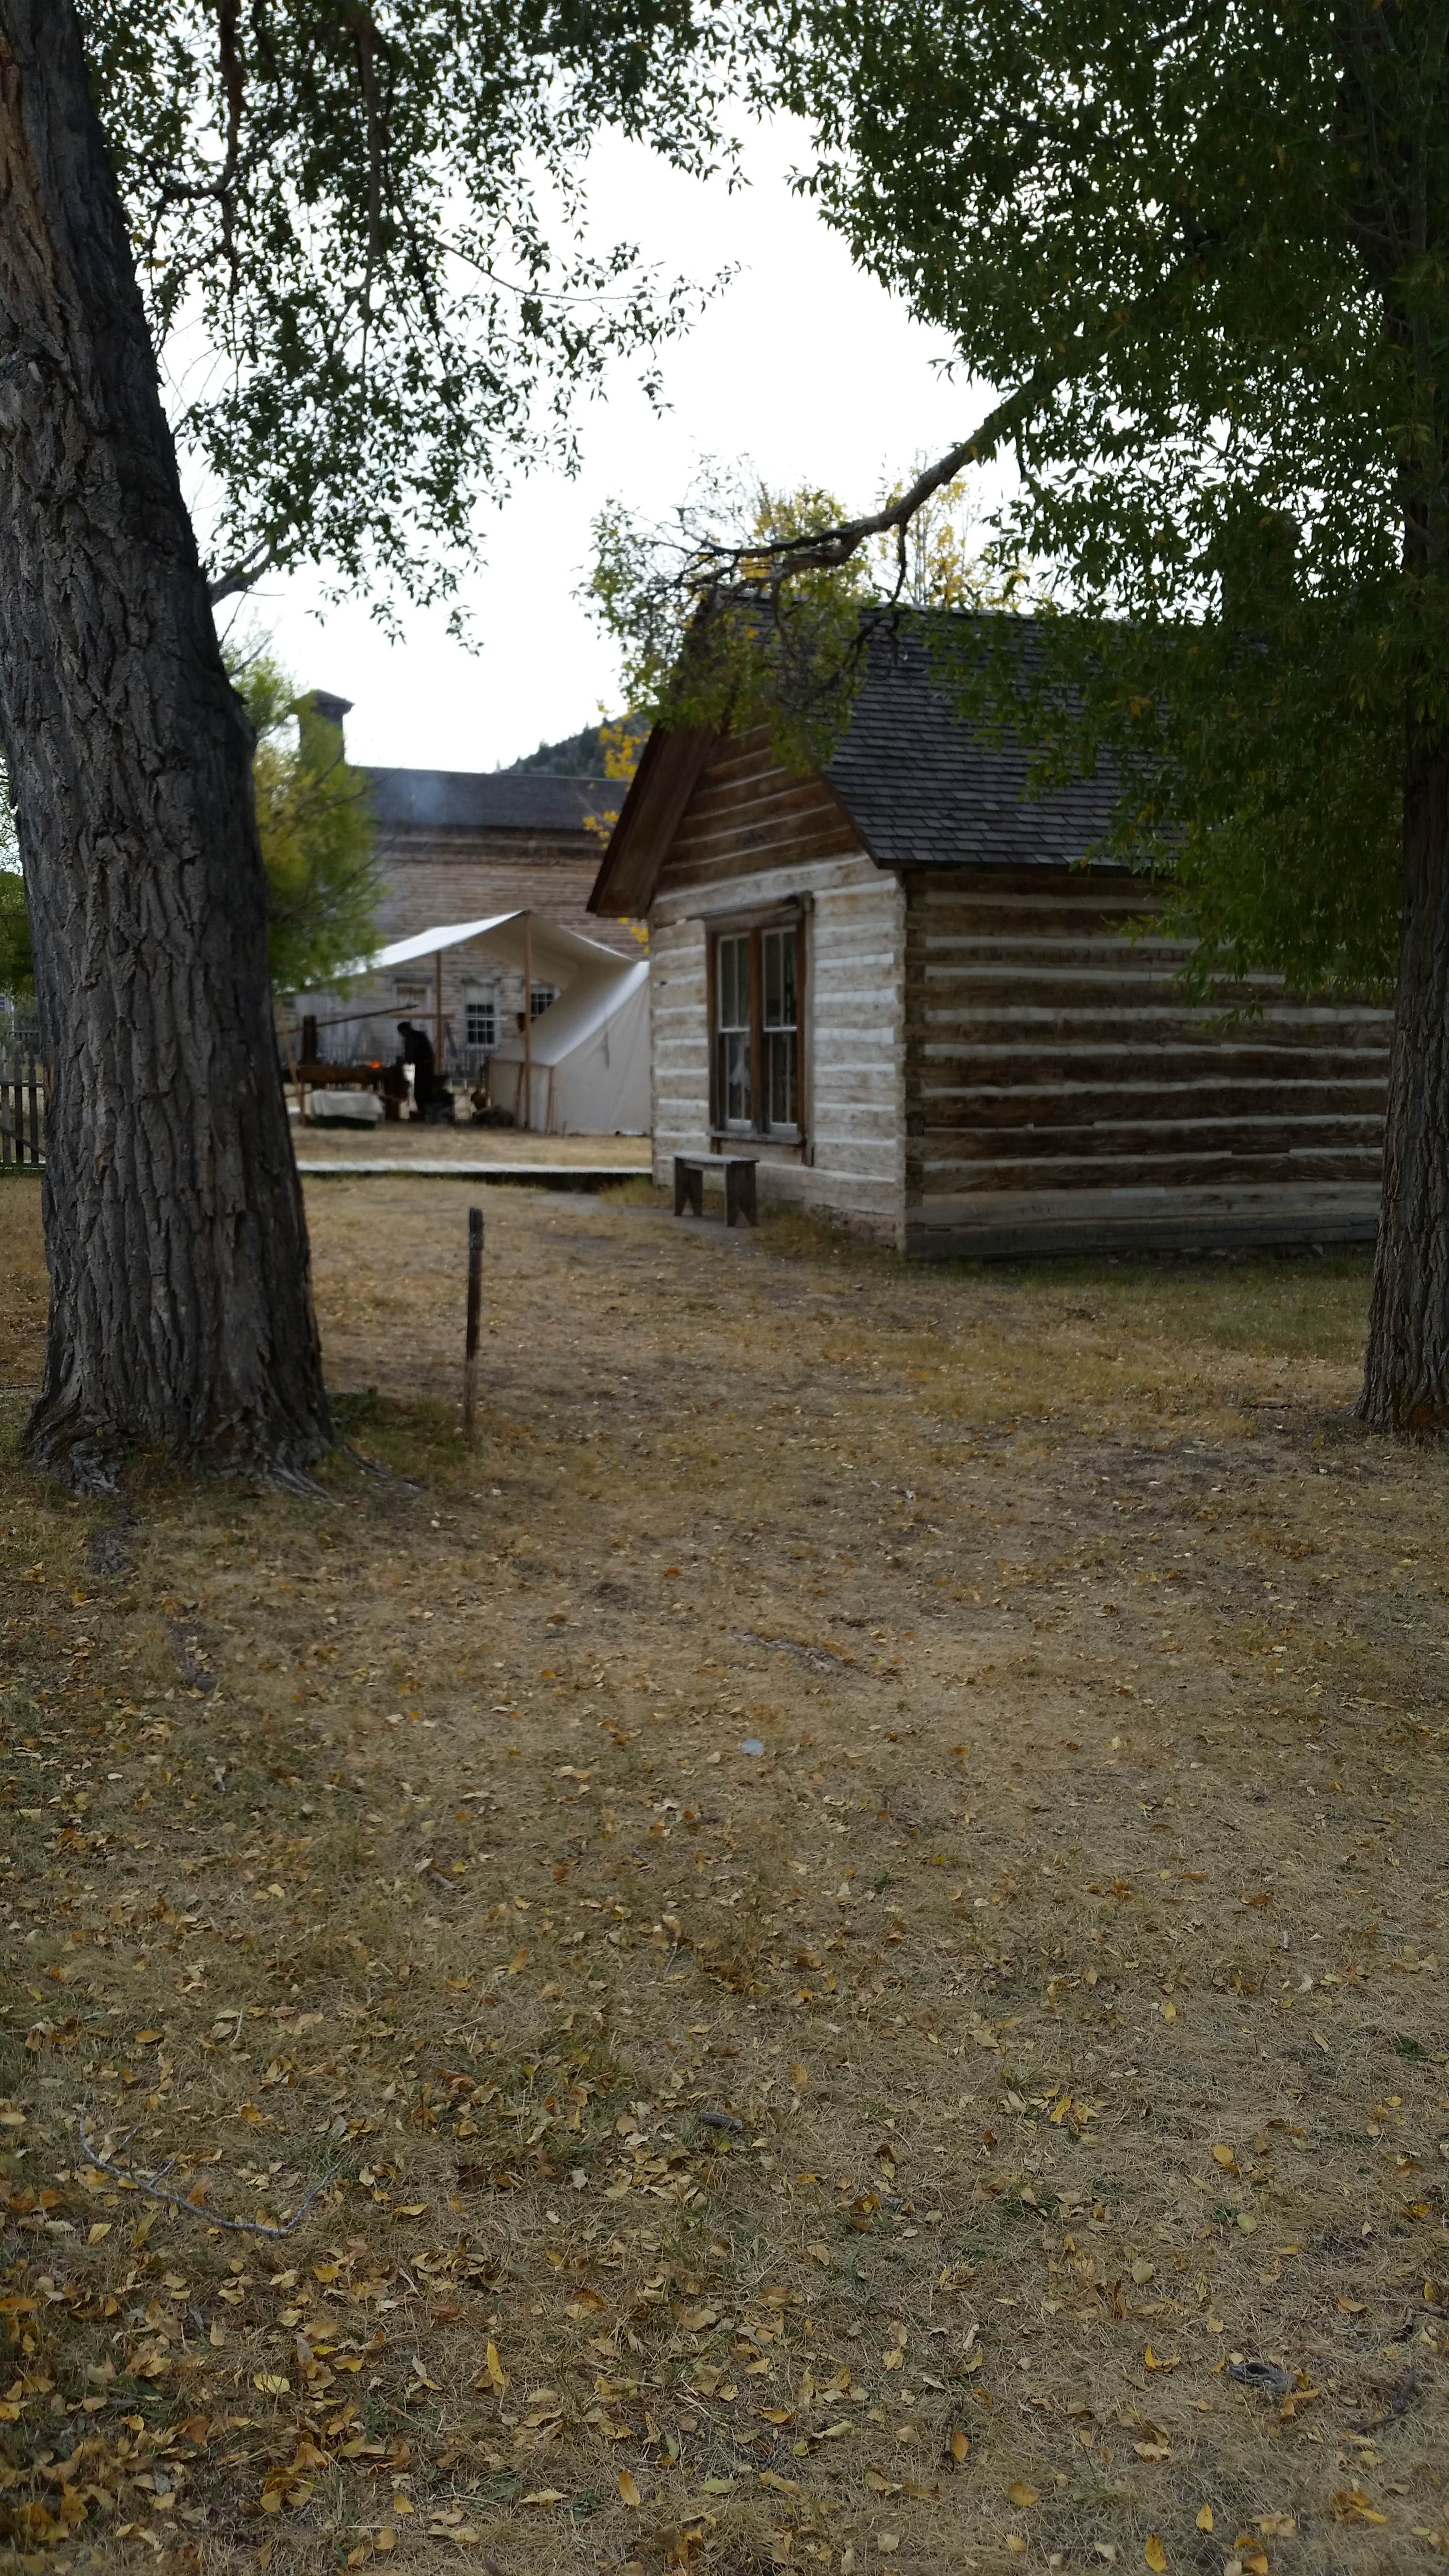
(753, 834)
(1060, 1094)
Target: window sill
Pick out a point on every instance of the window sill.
(743, 1140)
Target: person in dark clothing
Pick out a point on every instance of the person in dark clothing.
(418, 1052)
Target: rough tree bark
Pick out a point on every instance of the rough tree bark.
(1406, 1369)
(181, 1308)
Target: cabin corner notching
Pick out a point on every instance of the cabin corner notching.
(895, 984)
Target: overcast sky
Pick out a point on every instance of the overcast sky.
(802, 365)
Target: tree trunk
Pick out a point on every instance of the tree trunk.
(1406, 1370)
(181, 1308)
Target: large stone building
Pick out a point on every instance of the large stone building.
(463, 845)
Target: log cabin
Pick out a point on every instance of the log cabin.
(932, 1014)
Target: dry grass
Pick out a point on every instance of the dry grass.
(1070, 1957)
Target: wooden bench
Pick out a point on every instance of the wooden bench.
(739, 1184)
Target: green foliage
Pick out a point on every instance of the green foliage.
(316, 832)
(373, 217)
(1205, 254)
(581, 755)
(753, 648)
(750, 654)
(1259, 781)
(315, 826)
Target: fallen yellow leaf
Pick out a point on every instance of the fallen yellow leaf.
(1350, 2504)
(1155, 2554)
(629, 2489)
(1022, 2495)
(1205, 2517)
(1225, 2157)
(960, 2446)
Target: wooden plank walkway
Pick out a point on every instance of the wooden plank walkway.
(539, 1176)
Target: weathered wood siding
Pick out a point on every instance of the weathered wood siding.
(1060, 1095)
(753, 834)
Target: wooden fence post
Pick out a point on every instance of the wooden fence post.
(475, 1309)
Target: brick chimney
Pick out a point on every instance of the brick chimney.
(331, 710)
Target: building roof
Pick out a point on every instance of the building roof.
(922, 787)
(487, 800)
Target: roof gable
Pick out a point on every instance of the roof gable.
(922, 787)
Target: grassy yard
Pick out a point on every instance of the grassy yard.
(846, 1917)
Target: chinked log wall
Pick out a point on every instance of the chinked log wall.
(751, 835)
(1060, 1095)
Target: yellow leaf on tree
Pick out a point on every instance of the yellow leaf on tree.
(629, 2489)
(1155, 2554)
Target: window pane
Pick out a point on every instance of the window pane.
(779, 966)
(780, 1078)
(732, 1025)
(734, 1077)
(734, 984)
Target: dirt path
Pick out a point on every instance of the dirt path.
(879, 2147)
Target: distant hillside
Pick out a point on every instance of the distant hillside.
(582, 756)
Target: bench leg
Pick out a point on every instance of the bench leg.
(739, 1192)
(681, 1185)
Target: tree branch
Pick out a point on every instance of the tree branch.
(243, 576)
(195, 2208)
(763, 565)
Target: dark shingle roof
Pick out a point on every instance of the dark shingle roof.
(487, 800)
(925, 790)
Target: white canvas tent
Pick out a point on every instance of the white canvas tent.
(589, 1051)
(589, 1058)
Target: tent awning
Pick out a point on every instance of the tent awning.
(558, 954)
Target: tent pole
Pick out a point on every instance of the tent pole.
(438, 1007)
(528, 1019)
